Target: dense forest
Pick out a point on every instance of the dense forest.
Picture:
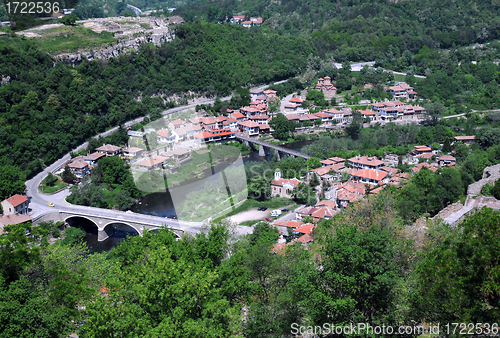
(365, 30)
(47, 109)
(374, 270)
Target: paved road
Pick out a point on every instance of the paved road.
(38, 201)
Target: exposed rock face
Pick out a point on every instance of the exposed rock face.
(130, 32)
(117, 49)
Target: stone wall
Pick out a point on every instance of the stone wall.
(123, 47)
(450, 209)
(490, 175)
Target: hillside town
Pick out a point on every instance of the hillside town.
(339, 181)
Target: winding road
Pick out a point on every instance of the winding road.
(38, 201)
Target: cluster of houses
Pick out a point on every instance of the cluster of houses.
(240, 20)
(367, 175)
(82, 165)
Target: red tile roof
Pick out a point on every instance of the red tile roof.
(79, 164)
(108, 147)
(306, 228)
(283, 181)
(368, 161)
(337, 159)
(305, 239)
(367, 112)
(259, 117)
(13, 219)
(278, 248)
(249, 124)
(323, 212)
(163, 133)
(237, 115)
(178, 122)
(297, 100)
(447, 158)
(375, 175)
(17, 199)
(324, 170)
(465, 138)
(327, 203)
(152, 161)
(425, 155)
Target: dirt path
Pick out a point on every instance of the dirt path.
(250, 215)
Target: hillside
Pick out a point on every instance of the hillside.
(45, 111)
(366, 30)
(102, 38)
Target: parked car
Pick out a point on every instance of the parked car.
(276, 213)
(267, 219)
(285, 210)
(262, 208)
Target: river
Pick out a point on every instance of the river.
(161, 203)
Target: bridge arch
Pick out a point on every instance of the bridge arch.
(109, 225)
(93, 228)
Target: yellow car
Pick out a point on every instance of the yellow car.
(50, 204)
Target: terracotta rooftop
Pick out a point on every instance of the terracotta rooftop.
(13, 219)
(465, 138)
(163, 133)
(304, 239)
(152, 161)
(368, 161)
(108, 147)
(17, 199)
(375, 175)
(283, 181)
(306, 228)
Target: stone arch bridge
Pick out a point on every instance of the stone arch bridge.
(103, 222)
(263, 145)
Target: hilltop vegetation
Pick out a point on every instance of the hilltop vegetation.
(364, 30)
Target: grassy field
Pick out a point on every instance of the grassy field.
(273, 203)
(399, 78)
(66, 39)
(56, 187)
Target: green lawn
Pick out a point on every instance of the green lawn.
(273, 203)
(56, 187)
(66, 39)
(399, 78)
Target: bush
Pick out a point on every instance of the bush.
(73, 235)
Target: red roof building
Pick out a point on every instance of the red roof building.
(369, 176)
(17, 204)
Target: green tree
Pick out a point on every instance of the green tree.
(11, 181)
(354, 128)
(316, 96)
(345, 176)
(458, 278)
(304, 194)
(357, 279)
(67, 175)
(314, 181)
(282, 126)
(69, 20)
(259, 188)
(434, 110)
(424, 136)
(50, 180)
(165, 288)
(313, 163)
